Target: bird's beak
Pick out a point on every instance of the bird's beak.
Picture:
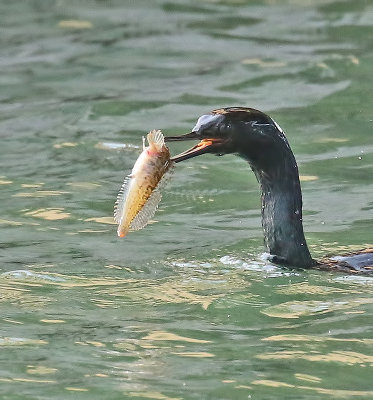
(204, 146)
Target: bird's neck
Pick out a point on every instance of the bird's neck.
(282, 211)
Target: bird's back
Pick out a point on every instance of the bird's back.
(358, 262)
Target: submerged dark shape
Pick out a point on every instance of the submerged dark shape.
(258, 139)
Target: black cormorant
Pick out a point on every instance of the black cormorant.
(257, 138)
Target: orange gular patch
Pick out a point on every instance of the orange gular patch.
(205, 143)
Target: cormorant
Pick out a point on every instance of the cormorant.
(257, 138)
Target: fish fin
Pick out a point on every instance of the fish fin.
(147, 212)
(169, 168)
(156, 138)
(121, 198)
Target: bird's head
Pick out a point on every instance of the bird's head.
(244, 131)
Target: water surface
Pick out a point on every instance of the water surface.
(186, 308)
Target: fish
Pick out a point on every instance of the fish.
(140, 194)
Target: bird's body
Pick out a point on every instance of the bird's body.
(258, 139)
(358, 262)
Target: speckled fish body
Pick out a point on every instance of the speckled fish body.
(140, 194)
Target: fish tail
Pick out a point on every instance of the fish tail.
(156, 139)
(122, 231)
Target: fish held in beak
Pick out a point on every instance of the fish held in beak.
(140, 194)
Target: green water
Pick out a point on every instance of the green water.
(186, 308)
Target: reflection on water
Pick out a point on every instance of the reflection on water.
(331, 392)
(20, 342)
(339, 357)
(167, 336)
(188, 307)
(49, 214)
(40, 193)
(304, 338)
(75, 24)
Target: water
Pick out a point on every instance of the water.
(186, 308)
